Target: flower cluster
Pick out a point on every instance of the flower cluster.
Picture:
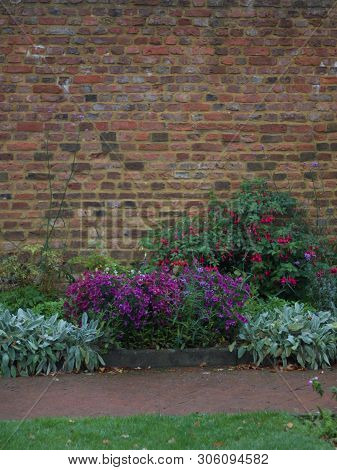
(136, 299)
(158, 297)
(216, 293)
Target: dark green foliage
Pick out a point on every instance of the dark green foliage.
(261, 233)
(22, 297)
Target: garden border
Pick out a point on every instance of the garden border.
(165, 358)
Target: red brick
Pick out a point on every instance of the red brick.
(18, 68)
(23, 39)
(21, 146)
(30, 126)
(305, 60)
(249, 51)
(299, 88)
(88, 79)
(155, 50)
(231, 137)
(102, 126)
(51, 20)
(198, 12)
(90, 20)
(328, 80)
(202, 51)
(46, 88)
(123, 125)
(132, 50)
(207, 147)
(259, 60)
(273, 128)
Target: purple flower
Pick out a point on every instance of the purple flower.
(311, 381)
(158, 297)
(314, 164)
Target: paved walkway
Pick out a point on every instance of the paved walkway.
(172, 391)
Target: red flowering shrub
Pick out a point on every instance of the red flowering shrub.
(260, 232)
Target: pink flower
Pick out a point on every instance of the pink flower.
(267, 219)
(284, 240)
(256, 258)
(290, 281)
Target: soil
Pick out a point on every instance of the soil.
(169, 391)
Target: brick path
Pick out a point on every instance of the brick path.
(173, 391)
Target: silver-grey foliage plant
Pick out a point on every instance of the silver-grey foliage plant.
(290, 334)
(31, 344)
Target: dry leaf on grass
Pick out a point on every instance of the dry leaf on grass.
(218, 444)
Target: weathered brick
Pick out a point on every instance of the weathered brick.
(42, 156)
(331, 127)
(134, 166)
(40, 176)
(70, 147)
(159, 137)
(221, 185)
(108, 136)
(307, 156)
(254, 166)
(91, 98)
(267, 138)
(322, 146)
(108, 147)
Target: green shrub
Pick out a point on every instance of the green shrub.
(98, 262)
(21, 297)
(50, 308)
(31, 344)
(323, 290)
(257, 305)
(291, 333)
(260, 232)
(33, 265)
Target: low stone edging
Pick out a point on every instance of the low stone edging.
(163, 358)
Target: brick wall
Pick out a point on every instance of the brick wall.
(161, 101)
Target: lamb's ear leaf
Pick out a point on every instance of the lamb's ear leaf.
(232, 346)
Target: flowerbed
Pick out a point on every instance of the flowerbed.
(196, 308)
(231, 276)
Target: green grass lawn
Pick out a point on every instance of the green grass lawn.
(263, 430)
